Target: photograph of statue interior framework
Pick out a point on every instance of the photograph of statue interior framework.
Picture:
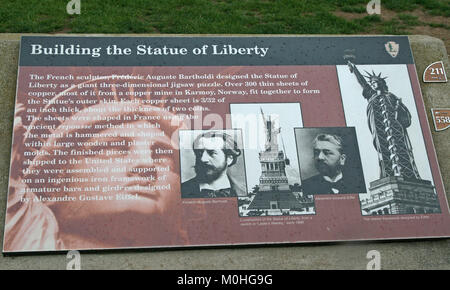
(276, 186)
(399, 188)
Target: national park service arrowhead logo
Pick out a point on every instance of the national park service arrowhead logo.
(435, 73)
(392, 48)
(441, 118)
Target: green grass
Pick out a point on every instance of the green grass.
(433, 7)
(438, 25)
(210, 16)
(409, 20)
(354, 9)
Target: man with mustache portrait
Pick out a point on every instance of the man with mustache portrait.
(215, 152)
(329, 160)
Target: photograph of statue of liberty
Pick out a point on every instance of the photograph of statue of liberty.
(390, 137)
(271, 160)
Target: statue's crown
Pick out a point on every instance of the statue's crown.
(373, 77)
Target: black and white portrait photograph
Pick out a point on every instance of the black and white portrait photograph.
(271, 159)
(212, 164)
(379, 102)
(330, 162)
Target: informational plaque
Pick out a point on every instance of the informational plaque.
(145, 142)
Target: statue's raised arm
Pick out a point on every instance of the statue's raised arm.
(368, 91)
(353, 69)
